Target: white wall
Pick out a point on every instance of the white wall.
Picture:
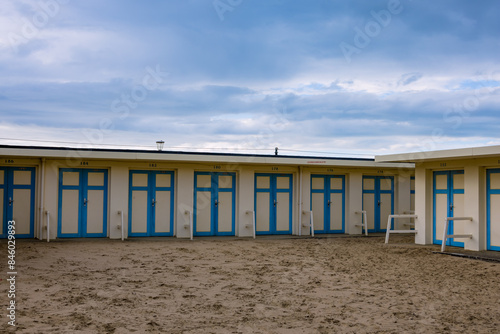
(118, 186)
(184, 203)
(354, 202)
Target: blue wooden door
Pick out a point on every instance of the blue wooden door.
(83, 203)
(214, 204)
(493, 210)
(378, 201)
(328, 203)
(448, 201)
(17, 200)
(273, 203)
(151, 203)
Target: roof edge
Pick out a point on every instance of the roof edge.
(459, 153)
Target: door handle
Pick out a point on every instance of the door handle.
(153, 202)
(379, 202)
(85, 201)
(11, 201)
(329, 202)
(275, 202)
(216, 202)
(451, 207)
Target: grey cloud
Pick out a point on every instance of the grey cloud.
(409, 78)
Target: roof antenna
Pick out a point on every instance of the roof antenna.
(275, 151)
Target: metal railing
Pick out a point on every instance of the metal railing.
(364, 221)
(311, 222)
(445, 232)
(389, 231)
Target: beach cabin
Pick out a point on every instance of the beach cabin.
(56, 193)
(459, 183)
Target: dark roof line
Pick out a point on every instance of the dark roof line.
(181, 152)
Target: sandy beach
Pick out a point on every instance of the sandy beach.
(327, 285)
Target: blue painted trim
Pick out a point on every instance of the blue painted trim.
(327, 191)
(151, 190)
(8, 187)
(273, 191)
(104, 188)
(449, 192)
(3, 186)
(83, 189)
(214, 190)
(490, 192)
(376, 198)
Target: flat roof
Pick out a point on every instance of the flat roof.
(461, 153)
(181, 156)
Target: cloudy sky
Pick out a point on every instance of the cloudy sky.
(313, 77)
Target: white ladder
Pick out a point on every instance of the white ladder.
(311, 222)
(364, 221)
(389, 231)
(445, 232)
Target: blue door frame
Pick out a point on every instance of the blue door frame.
(273, 191)
(449, 192)
(83, 189)
(151, 198)
(8, 187)
(412, 191)
(489, 193)
(377, 191)
(214, 190)
(327, 191)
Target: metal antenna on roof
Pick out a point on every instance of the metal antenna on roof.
(275, 151)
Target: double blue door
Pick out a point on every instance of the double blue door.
(328, 203)
(83, 203)
(151, 203)
(273, 203)
(448, 201)
(17, 200)
(378, 201)
(214, 203)
(493, 210)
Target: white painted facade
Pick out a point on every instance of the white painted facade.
(456, 183)
(86, 193)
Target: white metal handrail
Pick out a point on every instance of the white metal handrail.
(389, 231)
(190, 226)
(48, 225)
(254, 225)
(364, 221)
(445, 232)
(121, 227)
(311, 222)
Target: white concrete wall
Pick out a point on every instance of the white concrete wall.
(423, 205)
(118, 186)
(305, 216)
(475, 187)
(354, 202)
(402, 204)
(51, 195)
(245, 202)
(184, 203)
